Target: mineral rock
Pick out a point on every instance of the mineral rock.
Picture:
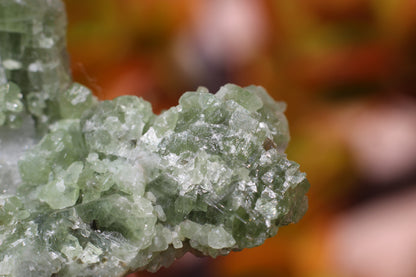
(33, 54)
(122, 189)
(113, 188)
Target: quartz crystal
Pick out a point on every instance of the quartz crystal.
(111, 187)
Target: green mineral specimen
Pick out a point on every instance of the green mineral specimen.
(111, 187)
(122, 189)
(33, 54)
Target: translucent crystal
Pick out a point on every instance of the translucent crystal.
(205, 175)
(32, 52)
(13, 144)
(11, 105)
(75, 100)
(111, 187)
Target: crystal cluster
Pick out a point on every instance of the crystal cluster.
(32, 55)
(112, 187)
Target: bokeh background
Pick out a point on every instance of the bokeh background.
(347, 70)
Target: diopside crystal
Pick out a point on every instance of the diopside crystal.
(112, 187)
(123, 189)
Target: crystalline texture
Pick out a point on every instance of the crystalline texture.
(111, 187)
(13, 144)
(205, 175)
(32, 50)
(11, 106)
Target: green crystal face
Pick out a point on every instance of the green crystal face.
(112, 188)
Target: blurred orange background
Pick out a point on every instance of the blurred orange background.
(347, 70)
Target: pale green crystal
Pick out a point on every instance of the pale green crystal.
(32, 54)
(75, 100)
(205, 175)
(112, 187)
(11, 105)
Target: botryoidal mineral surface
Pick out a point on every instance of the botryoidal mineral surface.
(110, 187)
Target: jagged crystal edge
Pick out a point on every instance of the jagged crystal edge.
(112, 188)
(122, 189)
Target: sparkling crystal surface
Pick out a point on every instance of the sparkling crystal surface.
(122, 189)
(112, 187)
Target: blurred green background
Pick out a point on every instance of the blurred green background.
(347, 70)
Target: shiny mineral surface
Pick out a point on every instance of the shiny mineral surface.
(95, 188)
